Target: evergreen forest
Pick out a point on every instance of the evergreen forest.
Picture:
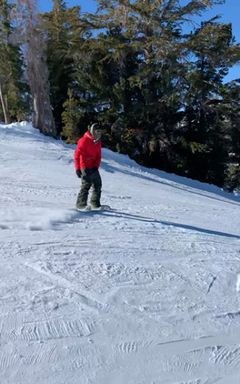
(144, 69)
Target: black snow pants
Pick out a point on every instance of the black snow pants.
(90, 178)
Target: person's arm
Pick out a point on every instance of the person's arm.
(77, 155)
(99, 156)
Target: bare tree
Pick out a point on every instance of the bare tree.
(32, 37)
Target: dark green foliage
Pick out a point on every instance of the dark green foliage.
(232, 143)
(71, 117)
(13, 89)
(64, 38)
(232, 177)
(203, 141)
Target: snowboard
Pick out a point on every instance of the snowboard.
(89, 208)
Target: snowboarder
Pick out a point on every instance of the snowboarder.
(87, 160)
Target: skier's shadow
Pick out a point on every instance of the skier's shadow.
(130, 216)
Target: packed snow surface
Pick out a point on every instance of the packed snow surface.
(147, 293)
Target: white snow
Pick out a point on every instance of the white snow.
(147, 293)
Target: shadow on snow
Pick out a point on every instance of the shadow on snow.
(166, 223)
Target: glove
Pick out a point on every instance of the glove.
(79, 173)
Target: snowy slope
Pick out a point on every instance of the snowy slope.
(148, 293)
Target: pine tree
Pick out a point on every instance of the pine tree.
(137, 64)
(64, 39)
(205, 140)
(12, 87)
(71, 117)
(231, 94)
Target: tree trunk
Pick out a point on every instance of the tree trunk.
(42, 114)
(4, 107)
(37, 69)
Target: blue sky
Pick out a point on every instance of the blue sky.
(86, 5)
(229, 12)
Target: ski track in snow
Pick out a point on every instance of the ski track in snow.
(147, 293)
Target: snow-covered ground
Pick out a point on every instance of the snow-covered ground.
(148, 293)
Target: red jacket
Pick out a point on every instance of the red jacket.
(87, 153)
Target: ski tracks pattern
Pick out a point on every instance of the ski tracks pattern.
(81, 304)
